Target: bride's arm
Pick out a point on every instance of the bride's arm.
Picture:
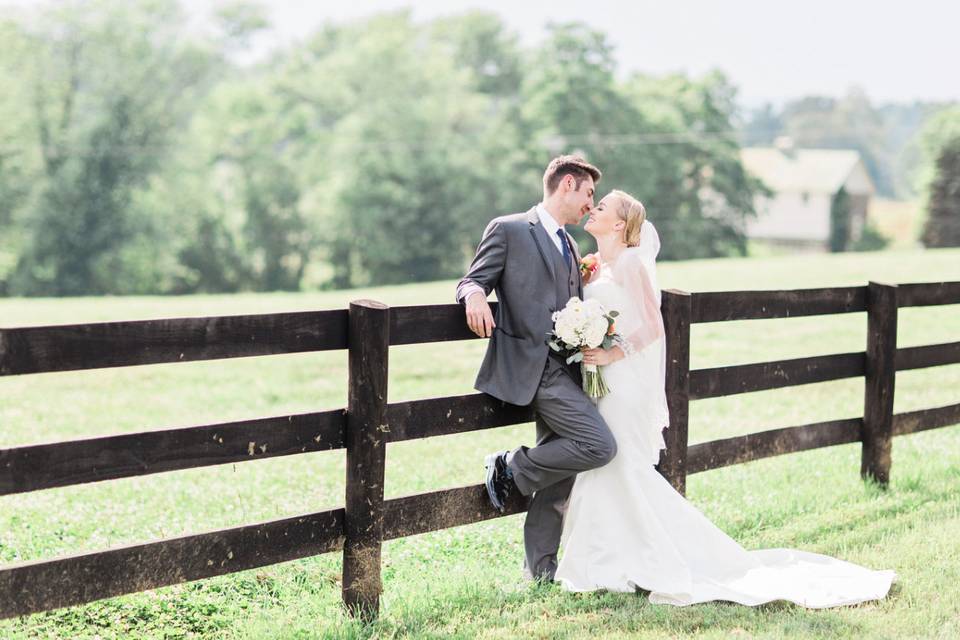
(633, 276)
(635, 280)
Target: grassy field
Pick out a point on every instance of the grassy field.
(465, 582)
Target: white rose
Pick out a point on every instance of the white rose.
(575, 307)
(596, 331)
(567, 332)
(559, 319)
(572, 339)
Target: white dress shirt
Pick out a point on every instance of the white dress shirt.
(550, 226)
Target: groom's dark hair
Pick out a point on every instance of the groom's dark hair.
(575, 166)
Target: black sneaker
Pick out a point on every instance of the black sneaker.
(500, 483)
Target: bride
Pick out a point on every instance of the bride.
(626, 528)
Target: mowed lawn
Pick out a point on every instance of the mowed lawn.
(465, 582)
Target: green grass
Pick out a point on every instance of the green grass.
(465, 582)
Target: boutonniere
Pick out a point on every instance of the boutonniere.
(589, 263)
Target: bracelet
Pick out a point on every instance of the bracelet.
(624, 345)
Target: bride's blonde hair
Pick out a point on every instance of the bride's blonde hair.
(633, 213)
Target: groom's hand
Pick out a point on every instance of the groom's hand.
(479, 316)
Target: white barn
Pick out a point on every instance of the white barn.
(804, 183)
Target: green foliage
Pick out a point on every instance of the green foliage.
(884, 134)
(696, 189)
(248, 226)
(403, 163)
(480, 42)
(938, 130)
(644, 134)
(239, 21)
(848, 123)
(135, 158)
(840, 221)
(109, 84)
(942, 228)
(870, 240)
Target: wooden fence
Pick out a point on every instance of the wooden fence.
(368, 329)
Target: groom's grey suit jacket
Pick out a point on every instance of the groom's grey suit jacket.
(519, 260)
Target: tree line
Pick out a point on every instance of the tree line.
(911, 151)
(887, 136)
(138, 156)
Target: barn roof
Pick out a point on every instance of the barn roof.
(801, 170)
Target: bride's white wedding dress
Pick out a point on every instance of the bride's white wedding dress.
(626, 528)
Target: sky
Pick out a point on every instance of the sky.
(772, 50)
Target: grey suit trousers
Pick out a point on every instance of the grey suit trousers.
(571, 437)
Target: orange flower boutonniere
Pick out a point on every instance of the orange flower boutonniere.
(589, 263)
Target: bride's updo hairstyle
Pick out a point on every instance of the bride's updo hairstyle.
(631, 211)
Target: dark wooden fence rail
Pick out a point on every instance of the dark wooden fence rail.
(369, 422)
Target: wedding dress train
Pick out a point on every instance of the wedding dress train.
(626, 528)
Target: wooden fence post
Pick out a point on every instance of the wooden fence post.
(880, 373)
(676, 309)
(368, 342)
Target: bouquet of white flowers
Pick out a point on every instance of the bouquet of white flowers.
(579, 325)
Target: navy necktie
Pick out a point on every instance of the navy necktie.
(563, 244)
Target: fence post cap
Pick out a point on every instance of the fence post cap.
(369, 304)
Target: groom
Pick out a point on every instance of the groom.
(533, 265)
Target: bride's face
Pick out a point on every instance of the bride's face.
(603, 219)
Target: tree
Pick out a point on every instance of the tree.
(942, 228)
(239, 22)
(667, 140)
(512, 167)
(112, 83)
(941, 127)
(19, 162)
(404, 163)
(850, 122)
(356, 157)
(883, 134)
(479, 41)
(146, 160)
(840, 221)
(248, 229)
(702, 194)
(762, 126)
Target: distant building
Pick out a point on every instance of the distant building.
(805, 183)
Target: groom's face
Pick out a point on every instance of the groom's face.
(578, 201)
